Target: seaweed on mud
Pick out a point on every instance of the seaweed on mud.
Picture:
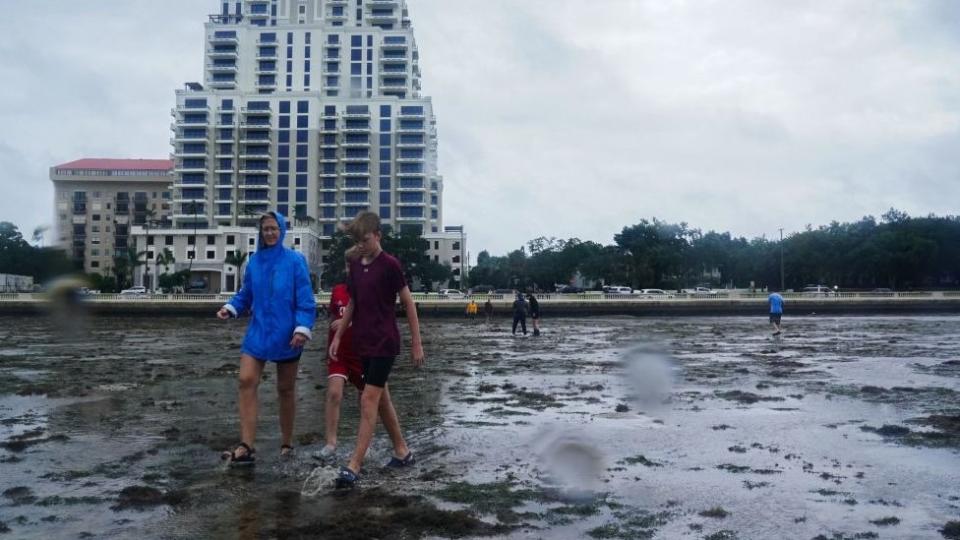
(393, 516)
(20, 495)
(886, 522)
(490, 498)
(145, 497)
(946, 431)
(632, 525)
(724, 534)
(745, 397)
(641, 459)
(716, 512)
(951, 530)
(20, 443)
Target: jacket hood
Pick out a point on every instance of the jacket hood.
(282, 223)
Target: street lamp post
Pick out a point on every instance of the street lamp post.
(782, 285)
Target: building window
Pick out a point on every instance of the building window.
(211, 239)
(230, 239)
(211, 254)
(168, 241)
(150, 240)
(191, 254)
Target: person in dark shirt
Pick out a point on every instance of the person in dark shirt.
(488, 310)
(520, 314)
(375, 280)
(534, 313)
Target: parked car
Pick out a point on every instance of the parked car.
(701, 291)
(452, 293)
(817, 290)
(508, 292)
(617, 289)
(570, 289)
(652, 293)
(139, 290)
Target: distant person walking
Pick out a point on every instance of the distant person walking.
(488, 310)
(277, 290)
(534, 313)
(520, 314)
(375, 280)
(776, 311)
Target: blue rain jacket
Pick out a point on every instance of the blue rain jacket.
(277, 291)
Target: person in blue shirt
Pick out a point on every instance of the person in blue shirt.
(277, 292)
(776, 311)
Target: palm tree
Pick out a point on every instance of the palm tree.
(237, 258)
(164, 258)
(134, 259)
(38, 234)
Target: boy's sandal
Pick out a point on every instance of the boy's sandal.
(347, 479)
(397, 463)
(248, 457)
(286, 450)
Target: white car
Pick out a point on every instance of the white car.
(139, 290)
(817, 290)
(701, 291)
(652, 293)
(452, 293)
(617, 289)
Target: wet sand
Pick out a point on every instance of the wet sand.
(848, 427)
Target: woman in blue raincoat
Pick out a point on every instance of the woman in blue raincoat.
(277, 292)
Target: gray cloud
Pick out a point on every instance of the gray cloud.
(563, 118)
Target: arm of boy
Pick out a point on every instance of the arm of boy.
(344, 324)
(416, 347)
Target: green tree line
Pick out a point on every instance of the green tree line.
(898, 252)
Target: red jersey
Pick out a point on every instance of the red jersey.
(339, 299)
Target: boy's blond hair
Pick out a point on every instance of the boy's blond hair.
(364, 223)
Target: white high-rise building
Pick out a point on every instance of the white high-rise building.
(312, 108)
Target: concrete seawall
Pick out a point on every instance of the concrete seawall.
(550, 305)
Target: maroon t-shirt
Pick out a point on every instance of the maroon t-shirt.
(374, 289)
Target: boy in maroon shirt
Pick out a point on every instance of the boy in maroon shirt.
(375, 279)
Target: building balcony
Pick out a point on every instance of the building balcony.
(324, 129)
(182, 169)
(392, 59)
(244, 154)
(354, 174)
(408, 218)
(182, 154)
(254, 200)
(223, 40)
(199, 216)
(411, 116)
(334, 203)
(245, 124)
(410, 160)
(267, 55)
(329, 160)
(332, 18)
(356, 129)
(365, 159)
(255, 184)
(383, 3)
(266, 71)
(214, 68)
(225, 140)
(410, 130)
(381, 18)
(256, 139)
(189, 201)
(411, 189)
(223, 217)
(393, 46)
(410, 145)
(333, 145)
(212, 53)
(357, 115)
(265, 84)
(222, 85)
(244, 170)
(248, 112)
(355, 144)
(419, 203)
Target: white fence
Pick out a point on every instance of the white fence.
(324, 298)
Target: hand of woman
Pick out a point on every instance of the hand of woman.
(223, 314)
(298, 341)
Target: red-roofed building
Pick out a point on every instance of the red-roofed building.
(97, 201)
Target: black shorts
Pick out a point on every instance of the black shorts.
(534, 315)
(376, 370)
(775, 318)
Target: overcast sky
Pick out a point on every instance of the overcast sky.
(564, 118)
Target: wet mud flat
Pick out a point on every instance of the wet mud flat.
(603, 427)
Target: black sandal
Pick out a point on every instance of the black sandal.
(247, 458)
(289, 450)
